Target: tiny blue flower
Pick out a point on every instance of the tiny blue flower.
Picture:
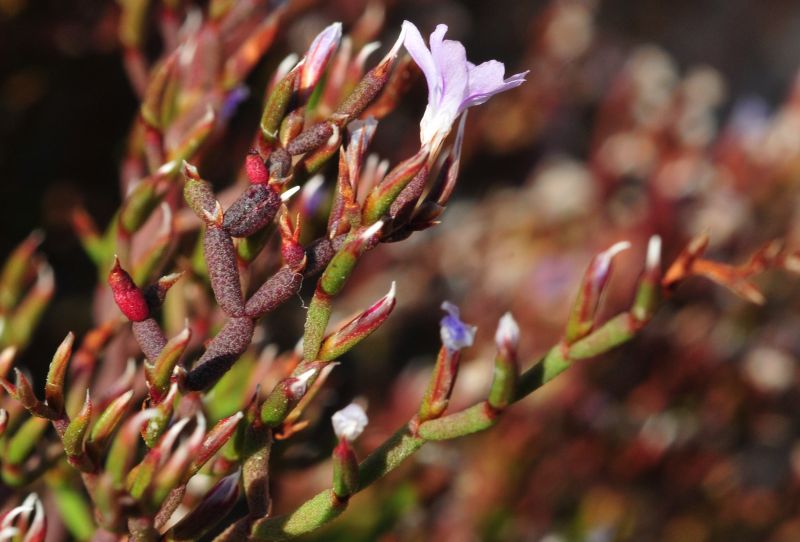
(455, 333)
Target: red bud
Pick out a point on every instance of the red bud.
(128, 297)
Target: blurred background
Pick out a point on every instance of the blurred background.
(654, 117)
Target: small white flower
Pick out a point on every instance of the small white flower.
(349, 422)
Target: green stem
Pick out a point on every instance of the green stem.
(324, 507)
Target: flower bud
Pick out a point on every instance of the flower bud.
(199, 194)
(286, 394)
(256, 169)
(341, 266)
(507, 334)
(139, 203)
(76, 430)
(647, 293)
(19, 327)
(157, 292)
(348, 424)
(276, 107)
(128, 297)
(369, 87)
(506, 370)
(158, 373)
(594, 282)
(107, 423)
(361, 134)
(683, 265)
(292, 251)
(214, 440)
(157, 425)
(380, 199)
(357, 329)
(54, 386)
(317, 57)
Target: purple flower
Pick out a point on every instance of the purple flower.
(455, 333)
(454, 83)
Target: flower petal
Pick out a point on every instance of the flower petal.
(455, 334)
(486, 80)
(450, 58)
(349, 422)
(416, 47)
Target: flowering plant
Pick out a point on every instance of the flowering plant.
(169, 446)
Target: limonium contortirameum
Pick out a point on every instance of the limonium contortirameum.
(454, 83)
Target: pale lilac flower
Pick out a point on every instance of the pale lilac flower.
(349, 422)
(455, 333)
(318, 54)
(454, 83)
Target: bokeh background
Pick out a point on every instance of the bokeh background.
(671, 117)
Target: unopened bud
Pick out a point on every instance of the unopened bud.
(507, 334)
(359, 328)
(653, 253)
(256, 169)
(128, 297)
(594, 282)
(299, 384)
(108, 422)
(54, 386)
(199, 194)
(318, 55)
